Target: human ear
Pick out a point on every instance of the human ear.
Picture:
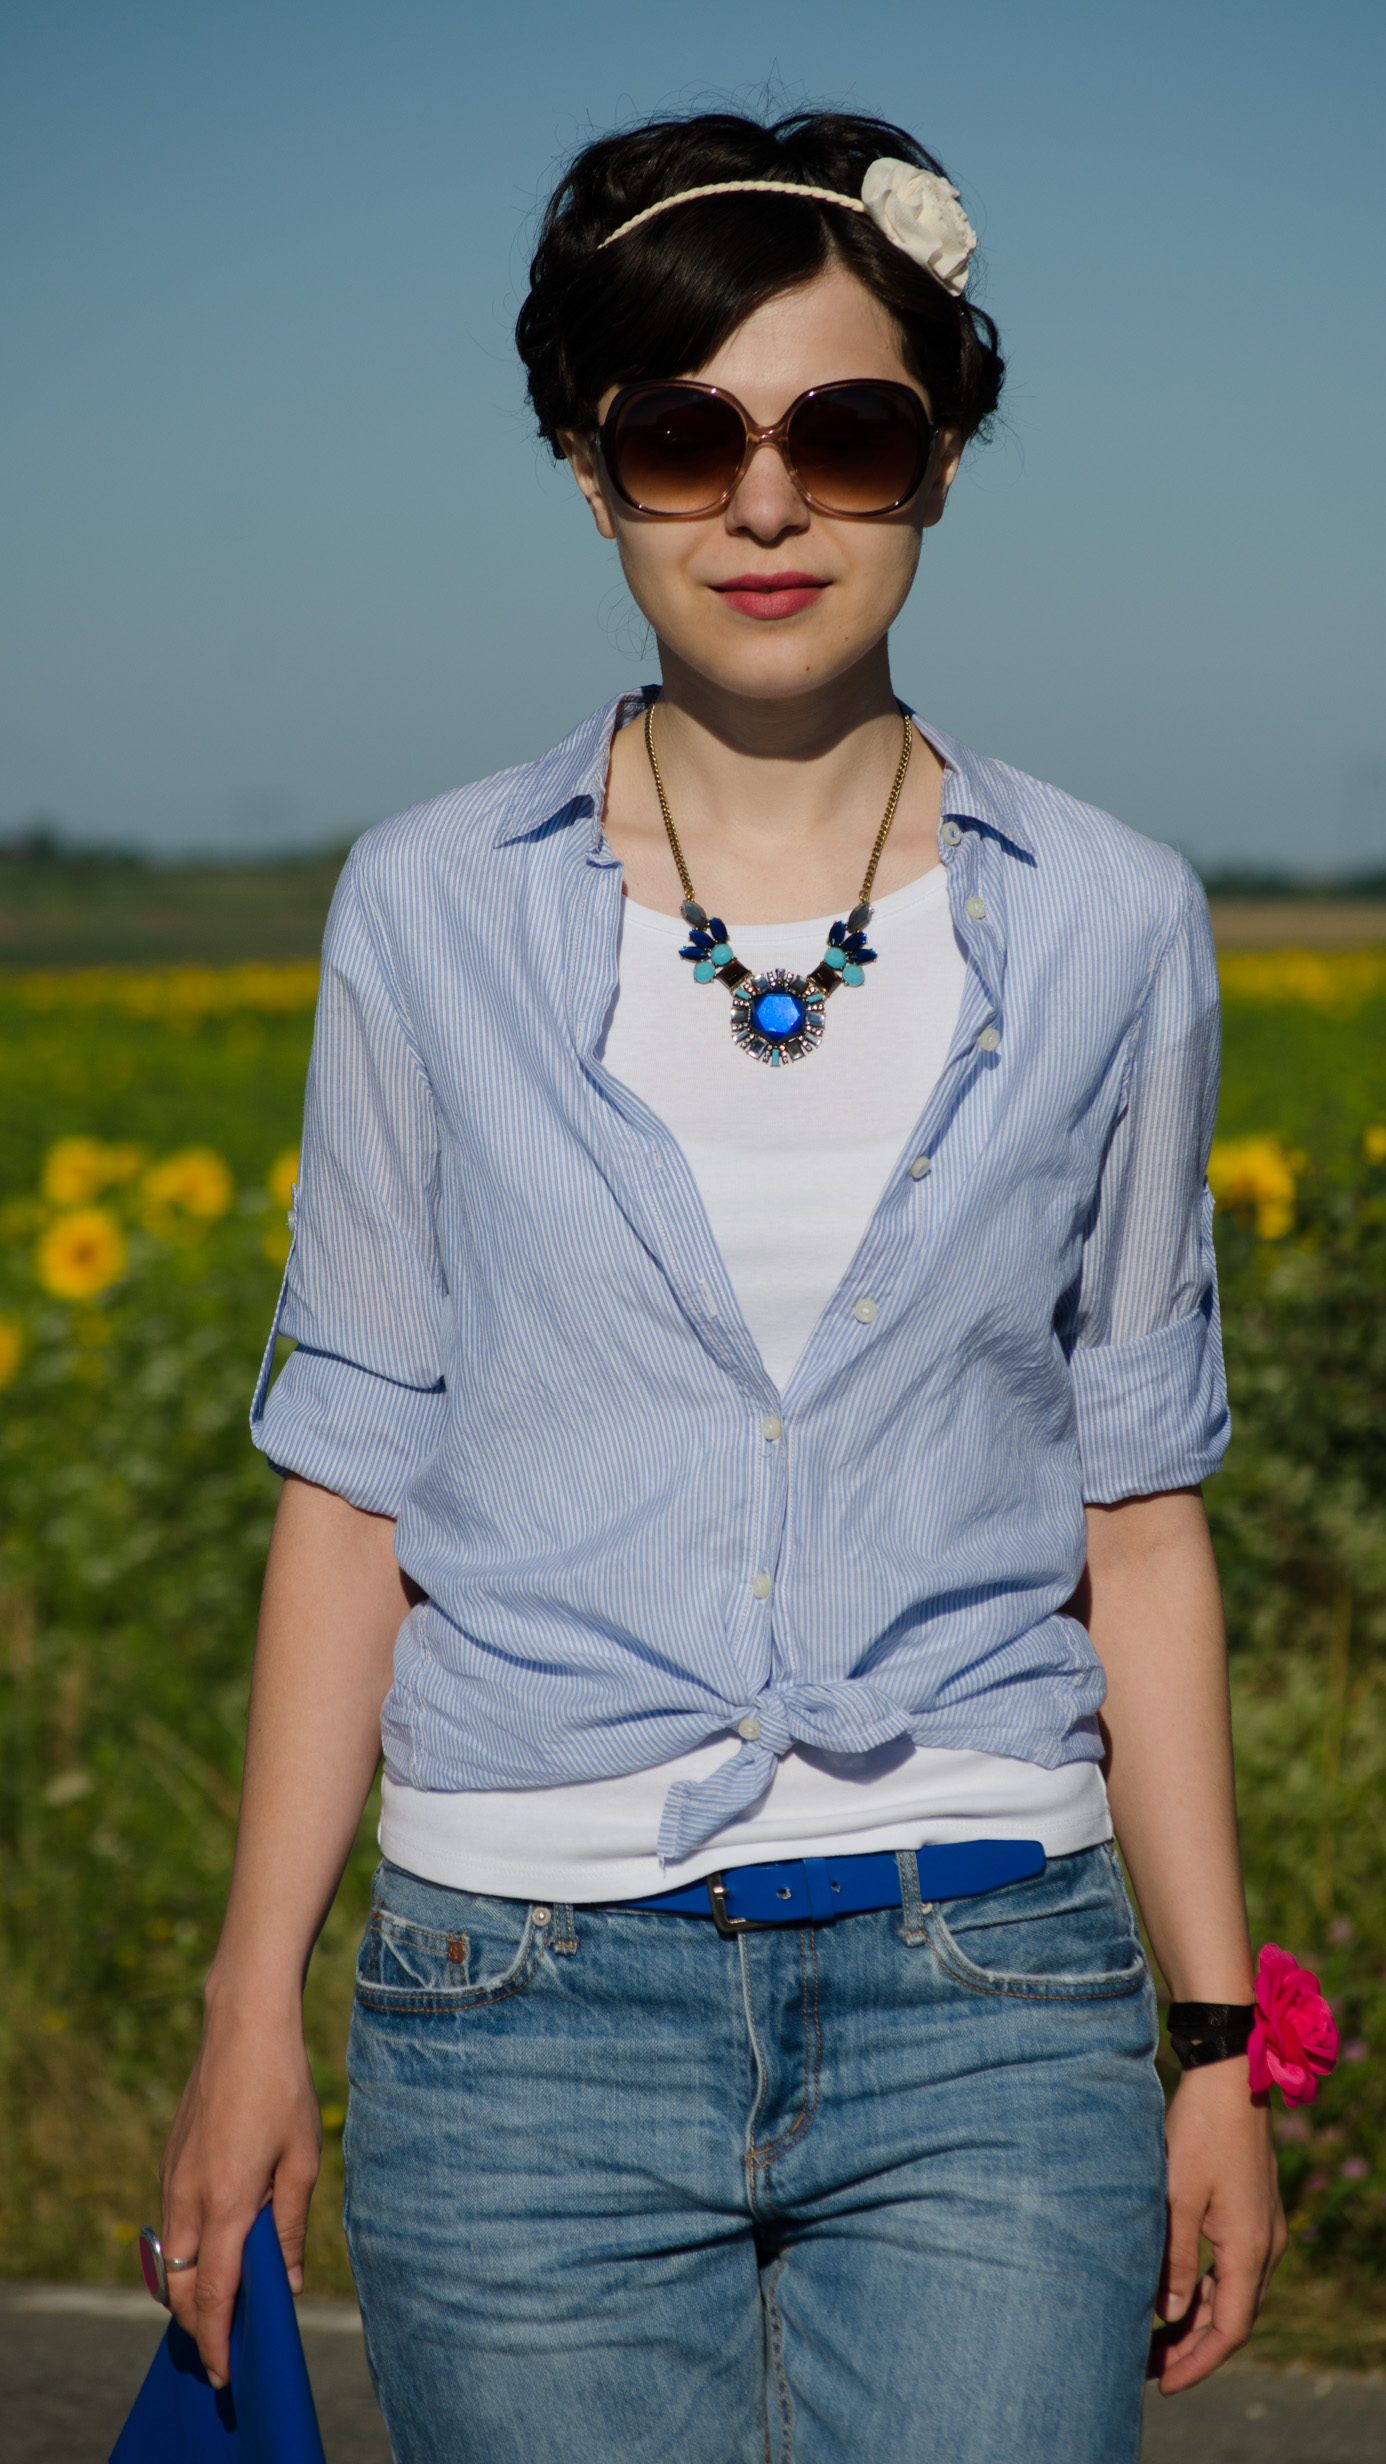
(579, 446)
(940, 475)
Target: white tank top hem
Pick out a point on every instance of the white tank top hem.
(755, 1140)
(595, 1840)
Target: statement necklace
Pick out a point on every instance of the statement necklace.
(777, 1017)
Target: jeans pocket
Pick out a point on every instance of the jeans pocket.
(426, 1948)
(1068, 1935)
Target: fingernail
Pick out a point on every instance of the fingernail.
(214, 2381)
(295, 2280)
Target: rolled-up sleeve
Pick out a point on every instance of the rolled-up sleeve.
(359, 1404)
(1144, 1335)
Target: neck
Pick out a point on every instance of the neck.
(776, 803)
(774, 762)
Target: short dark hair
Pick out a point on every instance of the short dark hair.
(665, 298)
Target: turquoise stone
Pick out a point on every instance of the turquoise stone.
(776, 1015)
(833, 956)
(721, 953)
(852, 974)
(704, 972)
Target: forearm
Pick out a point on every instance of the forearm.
(1155, 1617)
(334, 1600)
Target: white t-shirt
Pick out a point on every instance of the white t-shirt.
(790, 1164)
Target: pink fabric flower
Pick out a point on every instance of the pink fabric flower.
(1294, 2038)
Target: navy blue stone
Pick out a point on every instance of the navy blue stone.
(777, 1015)
(716, 928)
(835, 934)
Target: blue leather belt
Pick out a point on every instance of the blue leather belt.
(814, 1890)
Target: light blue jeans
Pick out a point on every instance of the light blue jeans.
(885, 2191)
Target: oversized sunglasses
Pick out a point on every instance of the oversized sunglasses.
(679, 450)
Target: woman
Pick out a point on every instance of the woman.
(752, 1384)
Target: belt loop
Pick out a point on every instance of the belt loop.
(913, 1929)
(561, 1934)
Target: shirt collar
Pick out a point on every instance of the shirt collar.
(569, 783)
(976, 789)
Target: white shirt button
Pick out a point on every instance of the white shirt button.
(921, 1167)
(771, 1426)
(977, 908)
(863, 1310)
(989, 1038)
(749, 1728)
(762, 1587)
(950, 834)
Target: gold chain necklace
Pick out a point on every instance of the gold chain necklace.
(777, 1017)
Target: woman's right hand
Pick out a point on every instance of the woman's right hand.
(248, 2127)
(247, 2130)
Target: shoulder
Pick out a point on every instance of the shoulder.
(1075, 865)
(456, 839)
(445, 836)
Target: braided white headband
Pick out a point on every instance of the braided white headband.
(916, 209)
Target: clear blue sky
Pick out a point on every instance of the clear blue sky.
(282, 554)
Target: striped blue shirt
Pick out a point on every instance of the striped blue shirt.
(516, 1334)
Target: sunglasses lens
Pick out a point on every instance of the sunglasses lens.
(860, 448)
(670, 449)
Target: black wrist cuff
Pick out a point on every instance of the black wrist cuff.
(1203, 2032)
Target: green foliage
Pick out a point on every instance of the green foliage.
(1314, 1075)
(1299, 1522)
(234, 1078)
(132, 1539)
(134, 1524)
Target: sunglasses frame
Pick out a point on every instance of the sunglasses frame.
(778, 436)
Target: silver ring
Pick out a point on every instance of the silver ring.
(176, 2266)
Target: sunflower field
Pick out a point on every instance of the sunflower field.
(148, 1129)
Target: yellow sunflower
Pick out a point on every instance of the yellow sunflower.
(186, 1190)
(76, 1170)
(281, 1177)
(1255, 1176)
(11, 1349)
(81, 1253)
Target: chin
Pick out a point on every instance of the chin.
(781, 672)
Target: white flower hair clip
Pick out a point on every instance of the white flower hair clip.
(921, 213)
(918, 211)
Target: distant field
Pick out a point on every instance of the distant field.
(90, 911)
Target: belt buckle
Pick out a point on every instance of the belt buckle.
(727, 1924)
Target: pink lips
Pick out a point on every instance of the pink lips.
(771, 594)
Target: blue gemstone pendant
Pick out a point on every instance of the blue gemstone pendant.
(777, 1017)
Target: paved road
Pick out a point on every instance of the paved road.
(71, 2359)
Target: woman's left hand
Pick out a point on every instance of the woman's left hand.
(1222, 2185)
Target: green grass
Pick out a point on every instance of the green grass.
(132, 1534)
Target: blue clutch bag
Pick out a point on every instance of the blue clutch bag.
(266, 2415)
